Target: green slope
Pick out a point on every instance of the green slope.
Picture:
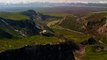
(9, 29)
(13, 16)
(71, 34)
(4, 34)
(69, 22)
(66, 27)
(91, 55)
(7, 44)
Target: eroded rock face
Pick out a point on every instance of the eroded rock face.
(96, 26)
(103, 30)
(62, 51)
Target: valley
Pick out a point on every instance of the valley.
(19, 30)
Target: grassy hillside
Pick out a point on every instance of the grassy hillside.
(18, 43)
(91, 55)
(79, 37)
(68, 25)
(9, 29)
(72, 35)
(69, 22)
(13, 16)
(4, 34)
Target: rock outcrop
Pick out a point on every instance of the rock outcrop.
(94, 24)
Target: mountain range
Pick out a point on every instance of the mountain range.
(17, 7)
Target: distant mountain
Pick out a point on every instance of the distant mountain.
(22, 7)
(53, 4)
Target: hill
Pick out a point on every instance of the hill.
(74, 28)
(18, 28)
(27, 27)
(25, 23)
(69, 22)
(96, 23)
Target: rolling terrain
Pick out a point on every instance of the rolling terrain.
(77, 11)
(21, 29)
(89, 24)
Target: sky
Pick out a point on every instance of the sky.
(52, 1)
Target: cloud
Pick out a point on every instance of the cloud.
(54, 1)
(30, 1)
(103, 2)
(18, 1)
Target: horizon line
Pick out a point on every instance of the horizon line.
(56, 2)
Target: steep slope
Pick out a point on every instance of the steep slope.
(17, 24)
(26, 23)
(24, 28)
(69, 22)
(96, 23)
(7, 27)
